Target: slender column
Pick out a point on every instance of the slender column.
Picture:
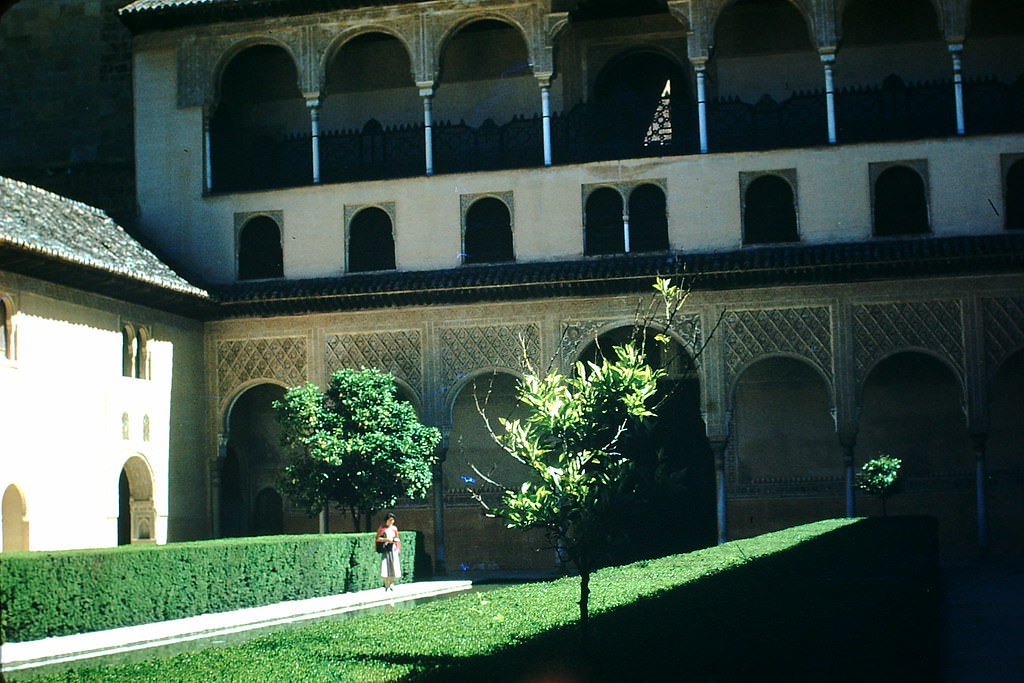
(440, 563)
(828, 59)
(848, 441)
(702, 107)
(207, 153)
(956, 51)
(325, 519)
(978, 442)
(428, 129)
(313, 103)
(625, 231)
(718, 446)
(545, 117)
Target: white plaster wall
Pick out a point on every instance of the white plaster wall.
(62, 407)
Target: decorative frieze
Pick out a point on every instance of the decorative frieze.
(804, 332)
(1004, 330)
(881, 329)
(282, 359)
(398, 352)
(466, 349)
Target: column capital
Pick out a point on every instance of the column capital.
(313, 101)
(544, 78)
(426, 88)
(827, 54)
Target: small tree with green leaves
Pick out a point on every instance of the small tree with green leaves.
(880, 477)
(572, 441)
(355, 445)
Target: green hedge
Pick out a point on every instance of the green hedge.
(838, 600)
(58, 593)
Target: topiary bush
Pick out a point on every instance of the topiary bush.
(56, 593)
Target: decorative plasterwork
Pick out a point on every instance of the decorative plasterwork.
(466, 349)
(578, 334)
(804, 332)
(282, 359)
(881, 329)
(1004, 330)
(398, 352)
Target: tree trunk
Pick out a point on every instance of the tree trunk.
(584, 604)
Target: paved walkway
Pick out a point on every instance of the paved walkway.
(21, 656)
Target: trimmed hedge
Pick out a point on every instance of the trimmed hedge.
(54, 593)
(838, 600)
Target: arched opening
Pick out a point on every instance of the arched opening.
(371, 243)
(15, 520)
(488, 237)
(1005, 458)
(371, 116)
(268, 513)
(1014, 195)
(136, 509)
(913, 410)
(603, 229)
(643, 107)
(766, 79)
(474, 461)
(259, 249)
(675, 468)
(784, 441)
(648, 219)
(259, 130)
(485, 74)
(769, 211)
(129, 352)
(896, 77)
(253, 458)
(901, 206)
(5, 331)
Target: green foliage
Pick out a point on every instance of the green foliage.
(880, 477)
(790, 605)
(355, 445)
(56, 593)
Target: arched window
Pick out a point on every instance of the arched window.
(900, 204)
(769, 212)
(259, 250)
(1015, 196)
(371, 244)
(488, 236)
(14, 523)
(648, 220)
(603, 232)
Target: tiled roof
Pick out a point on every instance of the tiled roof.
(38, 222)
(143, 15)
(885, 259)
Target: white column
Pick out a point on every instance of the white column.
(702, 109)
(428, 129)
(545, 117)
(827, 60)
(314, 124)
(625, 231)
(207, 156)
(955, 51)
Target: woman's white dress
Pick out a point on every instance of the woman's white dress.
(389, 565)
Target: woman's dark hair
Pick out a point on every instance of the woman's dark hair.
(388, 516)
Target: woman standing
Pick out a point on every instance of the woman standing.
(388, 545)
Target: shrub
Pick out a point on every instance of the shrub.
(57, 593)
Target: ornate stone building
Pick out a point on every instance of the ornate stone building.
(433, 187)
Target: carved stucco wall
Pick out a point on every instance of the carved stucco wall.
(576, 335)
(884, 328)
(464, 350)
(1004, 330)
(399, 352)
(283, 359)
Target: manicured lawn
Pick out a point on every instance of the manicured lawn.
(834, 600)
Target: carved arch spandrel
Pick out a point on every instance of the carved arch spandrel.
(1004, 330)
(399, 352)
(465, 350)
(283, 359)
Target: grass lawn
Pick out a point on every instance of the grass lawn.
(834, 600)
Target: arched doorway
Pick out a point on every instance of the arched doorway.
(789, 463)
(476, 463)
(913, 410)
(675, 485)
(252, 461)
(136, 510)
(268, 513)
(15, 522)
